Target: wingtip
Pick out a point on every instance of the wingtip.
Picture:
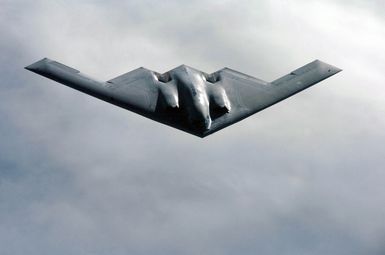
(330, 68)
(27, 68)
(334, 69)
(38, 66)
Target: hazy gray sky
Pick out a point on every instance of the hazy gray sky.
(80, 176)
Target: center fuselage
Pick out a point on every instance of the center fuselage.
(192, 90)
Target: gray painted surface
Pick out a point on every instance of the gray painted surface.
(186, 98)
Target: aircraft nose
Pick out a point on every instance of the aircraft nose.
(200, 113)
(196, 100)
(200, 124)
(207, 123)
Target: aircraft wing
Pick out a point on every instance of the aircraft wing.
(186, 98)
(249, 95)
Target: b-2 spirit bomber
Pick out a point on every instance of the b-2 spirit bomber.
(186, 98)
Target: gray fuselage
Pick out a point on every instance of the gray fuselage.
(193, 95)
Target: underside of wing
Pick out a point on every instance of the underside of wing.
(136, 91)
(186, 98)
(249, 95)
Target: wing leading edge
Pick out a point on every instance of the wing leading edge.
(251, 95)
(184, 97)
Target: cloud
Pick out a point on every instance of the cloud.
(80, 176)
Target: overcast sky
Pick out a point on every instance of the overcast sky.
(80, 176)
